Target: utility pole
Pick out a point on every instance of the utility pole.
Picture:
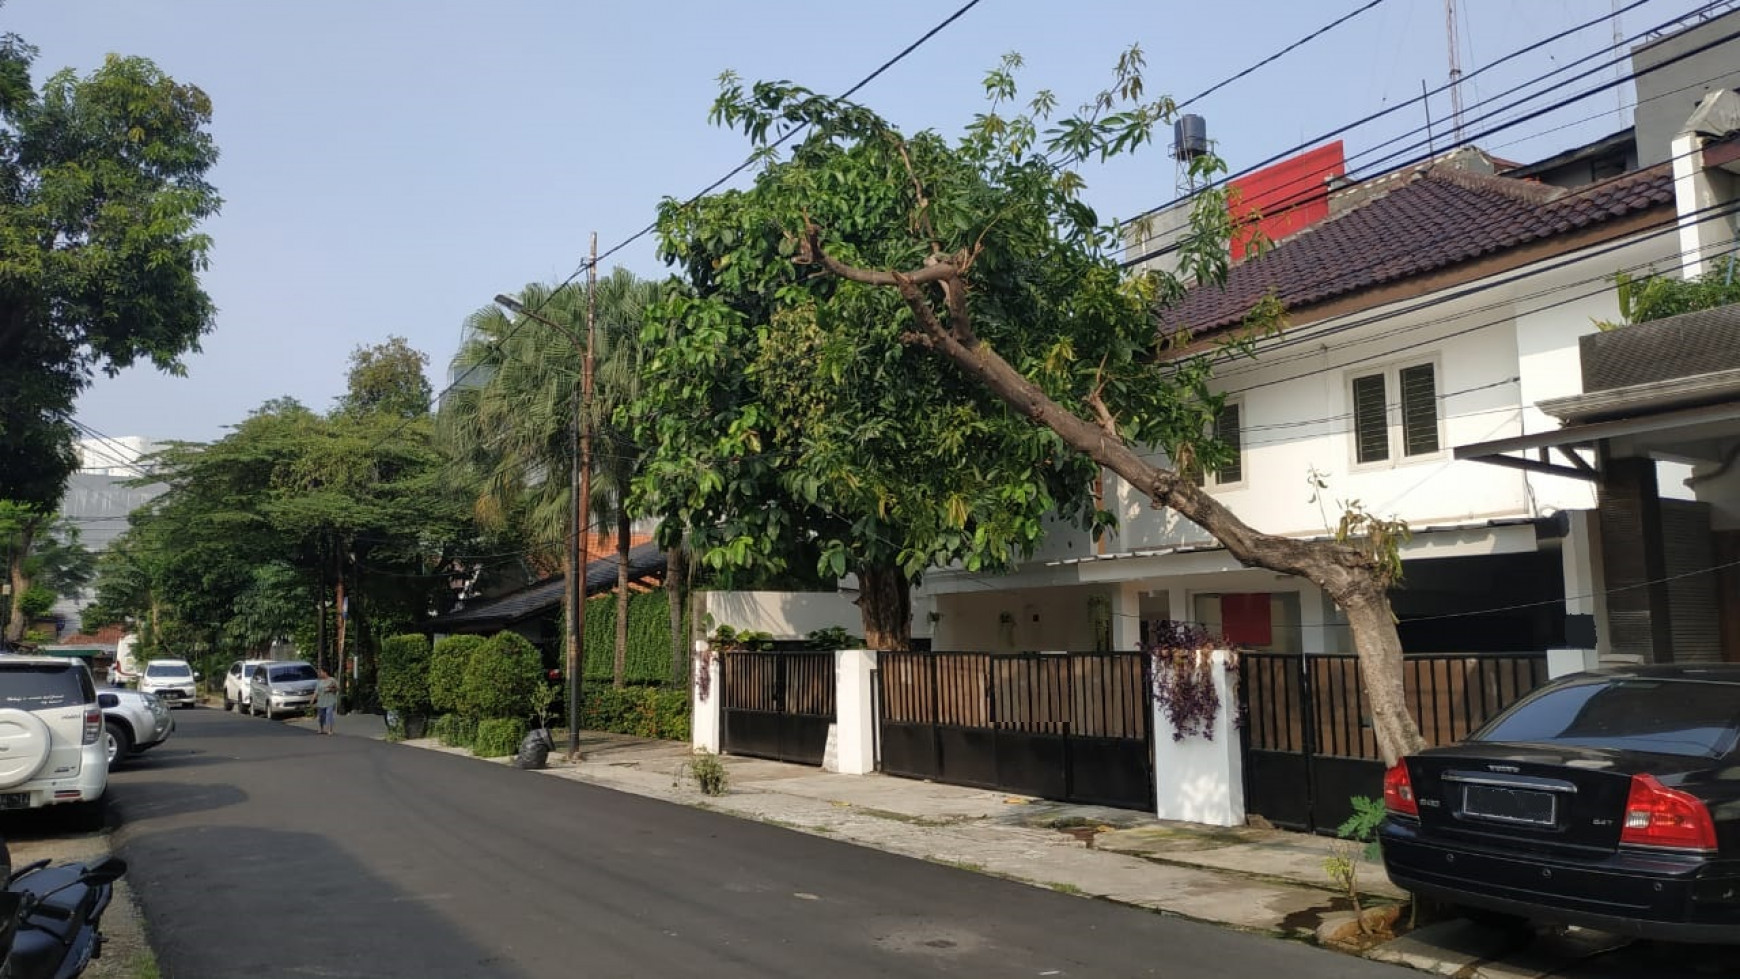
(579, 492)
(1455, 68)
(583, 521)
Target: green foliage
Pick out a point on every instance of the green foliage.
(388, 379)
(649, 637)
(727, 637)
(1359, 836)
(645, 712)
(544, 699)
(1654, 296)
(447, 664)
(785, 402)
(404, 674)
(102, 189)
(708, 773)
(36, 602)
(834, 637)
(511, 426)
(501, 675)
(1362, 826)
(454, 730)
(498, 736)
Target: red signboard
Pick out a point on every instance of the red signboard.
(1285, 198)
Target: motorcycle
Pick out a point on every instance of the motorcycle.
(50, 917)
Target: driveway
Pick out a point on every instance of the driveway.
(265, 850)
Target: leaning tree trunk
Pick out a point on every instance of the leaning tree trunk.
(885, 602)
(1348, 575)
(676, 597)
(624, 534)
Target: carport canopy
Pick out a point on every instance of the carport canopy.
(1674, 434)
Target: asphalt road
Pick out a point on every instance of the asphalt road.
(260, 849)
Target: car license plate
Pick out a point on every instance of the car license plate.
(1507, 805)
(15, 800)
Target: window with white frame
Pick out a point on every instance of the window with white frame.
(1379, 434)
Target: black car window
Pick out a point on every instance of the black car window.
(32, 686)
(290, 674)
(1673, 717)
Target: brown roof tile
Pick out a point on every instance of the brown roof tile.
(1439, 217)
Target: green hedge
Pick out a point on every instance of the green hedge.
(404, 674)
(447, 672)
(498, 736)
(454, 730)
(649, 638)
(646, 712)
(501, 675)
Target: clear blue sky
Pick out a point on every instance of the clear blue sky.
(389, 165)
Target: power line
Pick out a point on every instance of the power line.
(1284, 154)
(1309, 180)
(1301, 42)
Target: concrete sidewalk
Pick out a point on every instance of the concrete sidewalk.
(1259, 880)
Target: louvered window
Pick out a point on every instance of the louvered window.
(1419, 386)
(1226, 431)
(1371, 424)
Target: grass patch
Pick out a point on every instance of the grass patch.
(1063, 888)
(969, 867)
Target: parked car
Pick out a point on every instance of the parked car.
(172, 680)
(133, 722)
(282, 688)
(1606, 799)
(238, 683)
(51, 744)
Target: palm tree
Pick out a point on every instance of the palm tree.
(508, 424)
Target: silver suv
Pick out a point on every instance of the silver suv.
(51, 738)
(133, 722)
(281, 688)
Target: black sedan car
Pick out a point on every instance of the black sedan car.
(1608, 799)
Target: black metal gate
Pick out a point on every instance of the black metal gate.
(778, 704)
(1069, 726)
(1309, 746)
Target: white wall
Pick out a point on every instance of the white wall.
(1019, 620)
(784, 615)
(1297, 415)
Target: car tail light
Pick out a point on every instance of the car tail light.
(1399, 791)
(93, 725)
(1656, 815)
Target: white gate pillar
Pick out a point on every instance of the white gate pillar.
(706, 697)
(854, 712)
(1201, 780)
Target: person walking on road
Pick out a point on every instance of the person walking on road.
(325, 700)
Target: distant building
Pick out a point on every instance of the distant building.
(98, 500)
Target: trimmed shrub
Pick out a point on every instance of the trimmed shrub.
(498, 736)
(645, 712)
(447, 672)
(454, 730)
(404, 674)
(501, 676)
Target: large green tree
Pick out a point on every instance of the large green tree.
(293, 514)
(973, 271)
(102, 190)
